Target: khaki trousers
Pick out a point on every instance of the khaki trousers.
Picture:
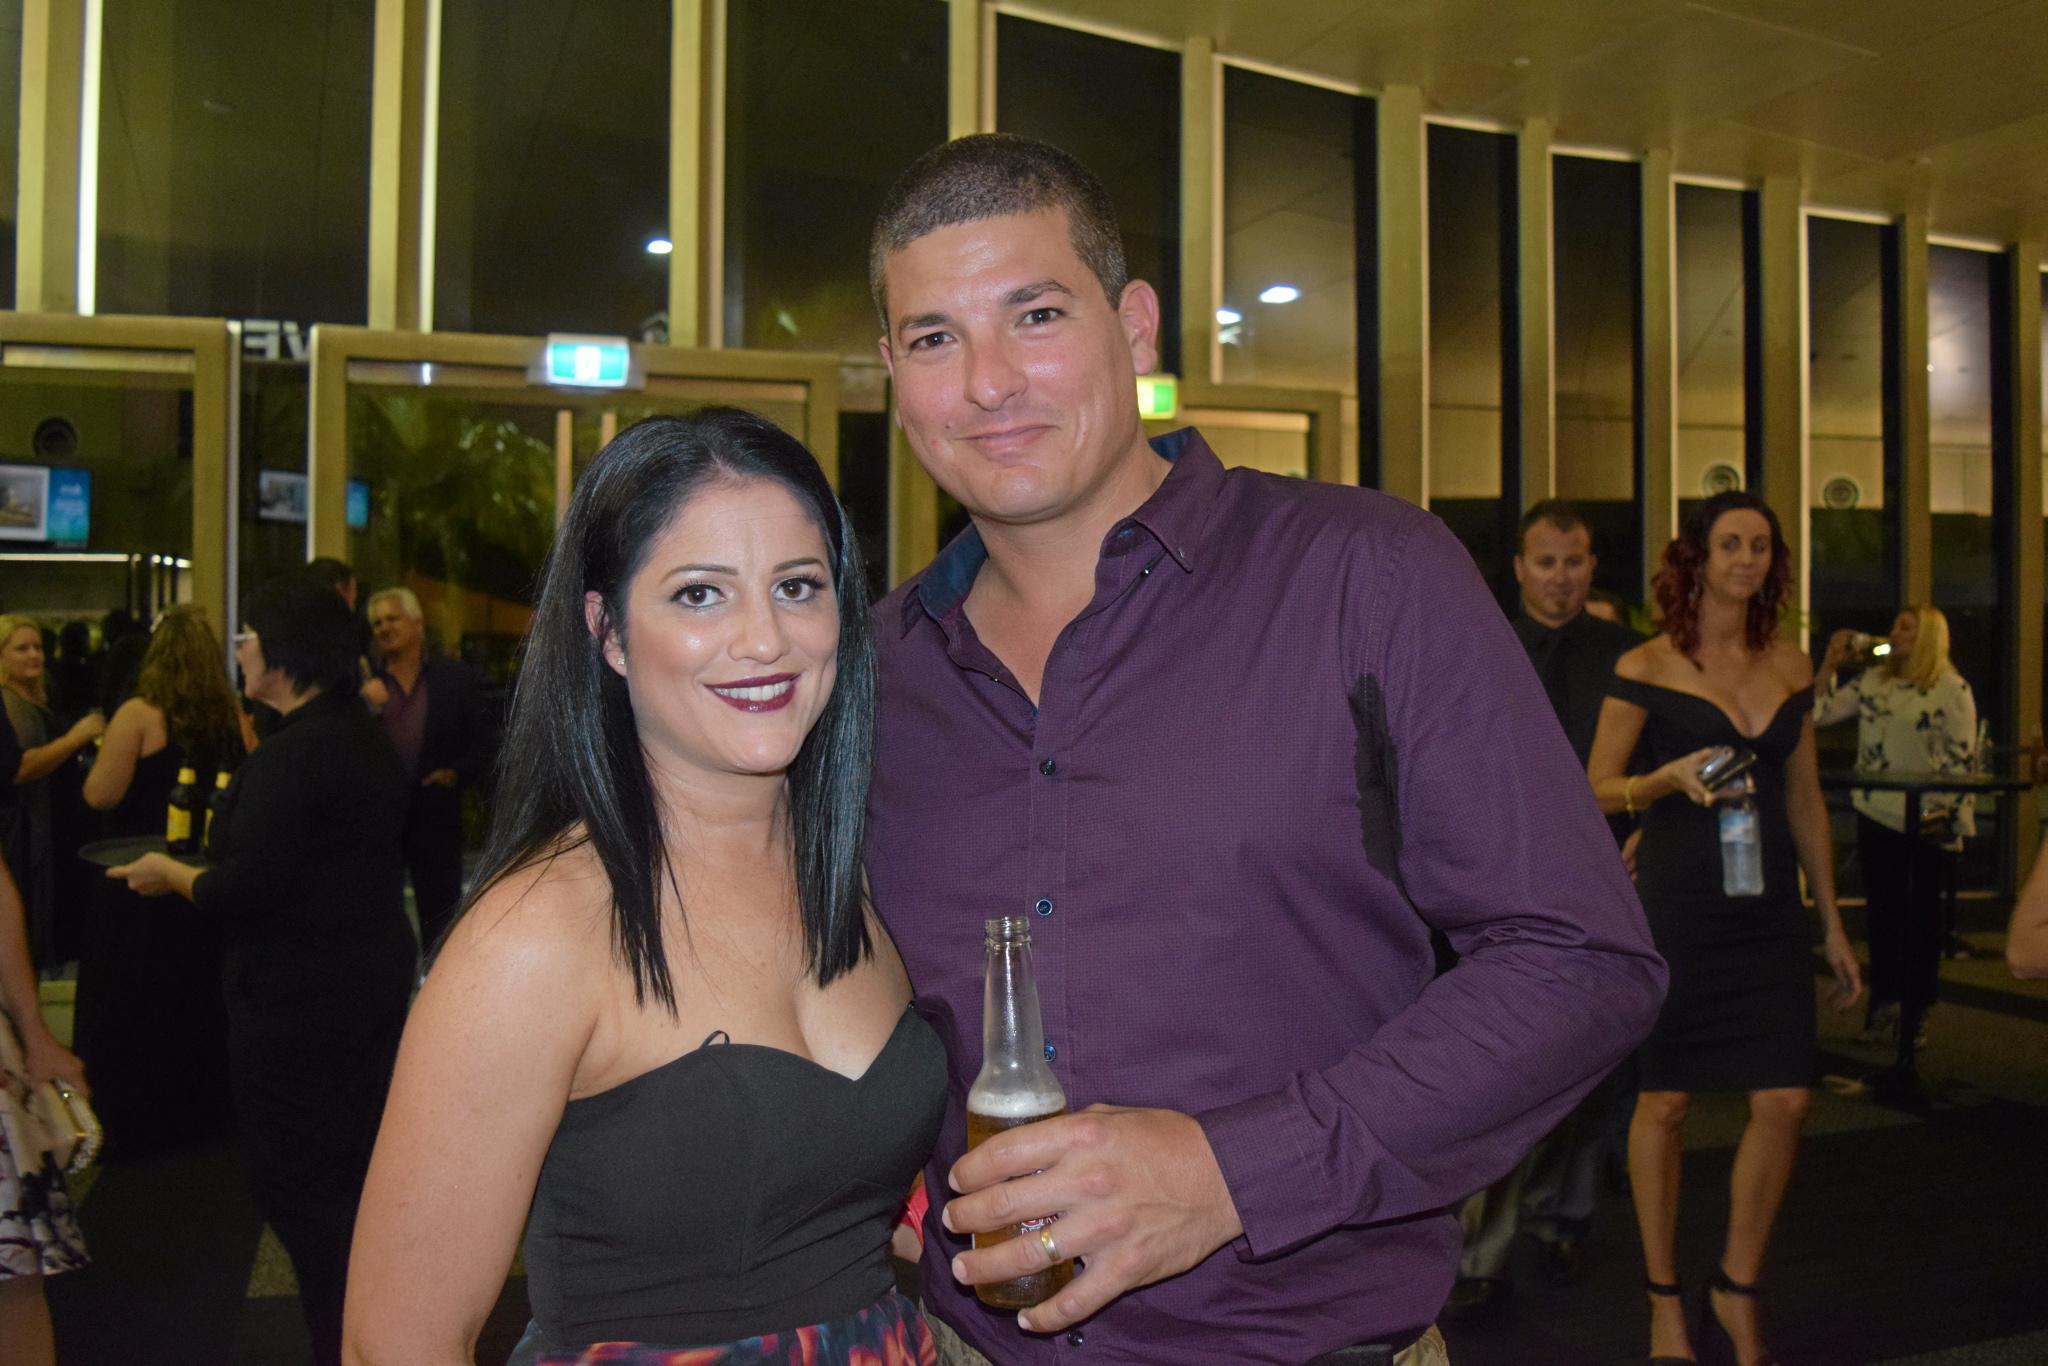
(1427, 1350)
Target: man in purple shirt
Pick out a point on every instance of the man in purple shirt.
(1236, 744)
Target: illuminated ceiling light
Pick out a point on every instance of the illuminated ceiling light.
(1279, 294)
(1228, 316)
(659, 246)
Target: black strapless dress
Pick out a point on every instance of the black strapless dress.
(1739, 1015)
(741, 1197)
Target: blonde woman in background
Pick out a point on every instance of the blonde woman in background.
(1914, 714)
(27, 836)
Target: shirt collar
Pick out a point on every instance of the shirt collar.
(1177, 516)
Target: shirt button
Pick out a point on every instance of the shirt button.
(1044, 906)
(1074, 1338)
(1048, 767)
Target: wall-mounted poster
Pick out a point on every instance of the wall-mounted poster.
(280, 496)
(24, 503)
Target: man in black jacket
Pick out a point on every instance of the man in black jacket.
(438, 719)
(1550, 1194)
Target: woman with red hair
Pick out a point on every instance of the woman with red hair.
(1728, 920)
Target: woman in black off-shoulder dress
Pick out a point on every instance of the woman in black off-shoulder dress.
(1739, 1015)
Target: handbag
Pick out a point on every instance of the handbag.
(53, 1118)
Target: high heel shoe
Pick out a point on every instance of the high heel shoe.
(1713, 1336)
(1673, 1290)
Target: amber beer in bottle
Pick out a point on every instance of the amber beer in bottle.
(1015, 1087)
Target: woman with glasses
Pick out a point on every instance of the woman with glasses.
(306, 880)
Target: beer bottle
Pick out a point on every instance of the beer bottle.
(214, 805)
(1014, 1088)
(178, 837)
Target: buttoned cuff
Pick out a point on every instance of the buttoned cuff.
(1273, 1157)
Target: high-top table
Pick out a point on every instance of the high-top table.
(1900, 1083)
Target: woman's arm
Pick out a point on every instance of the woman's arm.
(1806, 810)
(158, 875)
(482, 1079)
(44, 1056)
(2026, 938)
(114, 768)
(44, 760)
(1617, 791)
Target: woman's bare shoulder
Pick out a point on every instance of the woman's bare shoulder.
(1647, 662)
(545, 922)
(1791, 664)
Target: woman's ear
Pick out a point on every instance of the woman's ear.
(598, 622)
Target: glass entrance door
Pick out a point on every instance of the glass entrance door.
(115, 451)
(442, 462)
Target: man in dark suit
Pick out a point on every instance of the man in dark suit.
(1550, 1194)
(438, 719)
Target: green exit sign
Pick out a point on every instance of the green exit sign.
(587, 362)
(1158, 397)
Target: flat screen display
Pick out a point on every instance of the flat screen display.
(43, 505)
(358, 505)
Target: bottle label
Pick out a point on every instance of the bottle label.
(177, 825)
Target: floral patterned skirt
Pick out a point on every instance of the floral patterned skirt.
(889, 1332)
(38, 1232)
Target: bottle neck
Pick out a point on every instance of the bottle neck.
(1012, 1032)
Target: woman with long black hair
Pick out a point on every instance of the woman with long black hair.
(667, 1026)
(1721, 891)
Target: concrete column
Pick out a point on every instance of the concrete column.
(1916, 483)
(2020, 501)
(1201, 210)
(1657, 499)
(696, 133)
(971, 68)
(1536, 309)
(1781, 268)
(401, 123)
(1404, 294)
(53, 57)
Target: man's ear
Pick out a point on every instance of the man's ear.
(598, 622)
(1138, 310)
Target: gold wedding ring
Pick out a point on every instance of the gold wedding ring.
(1052, 1252)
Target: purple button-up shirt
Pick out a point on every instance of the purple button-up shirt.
(1290, 734)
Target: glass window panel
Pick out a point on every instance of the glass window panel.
(235, 160)
(1126, 130)
(1961, 286)
(132, 435)
(804, 181)
(552, 168)
(1289, 203)
(1598, 263)
(1854, 533)
(1712, 343)
(10, 140)
(273, 442)
(1471, 246)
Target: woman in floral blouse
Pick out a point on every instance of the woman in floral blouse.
(1914, 714)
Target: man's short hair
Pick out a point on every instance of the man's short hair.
(336, 574)
(407, 600)
(990, 175)
(1559, 513)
